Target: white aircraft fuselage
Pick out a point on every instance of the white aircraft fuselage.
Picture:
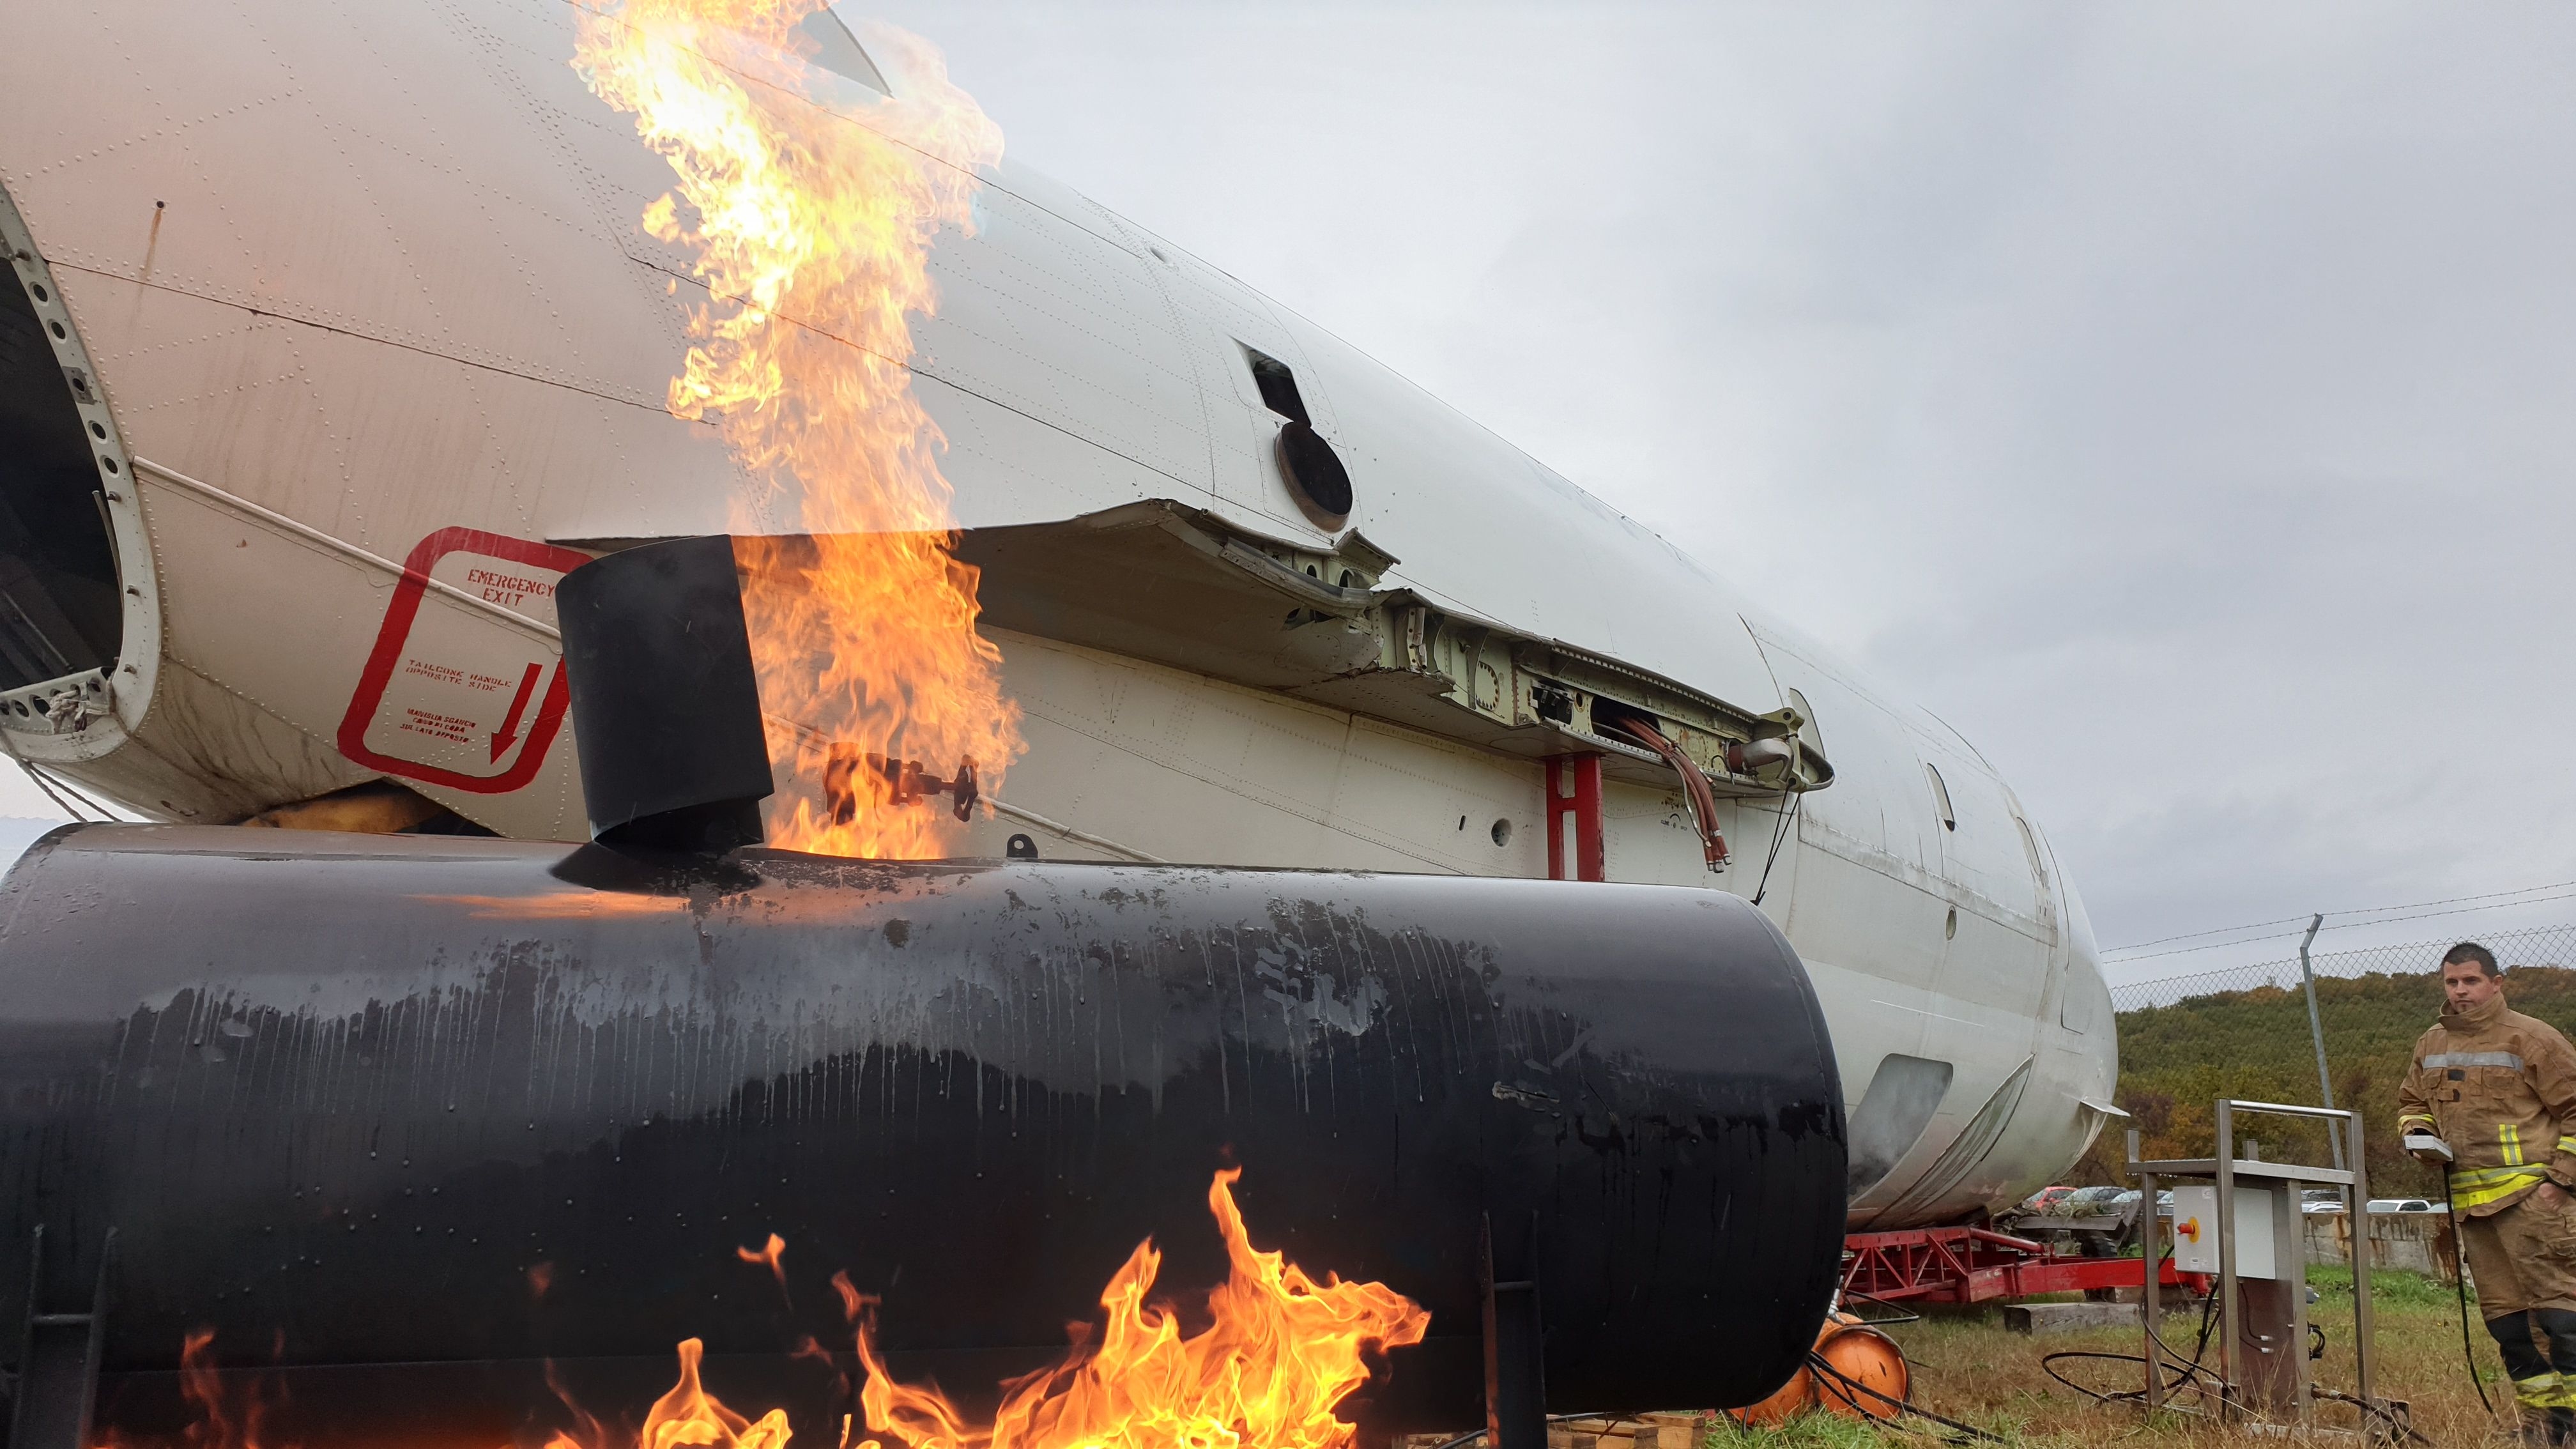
(334, 342)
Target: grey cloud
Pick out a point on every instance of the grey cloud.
(2175, 398)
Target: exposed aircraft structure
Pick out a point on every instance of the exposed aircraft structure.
(334, 345)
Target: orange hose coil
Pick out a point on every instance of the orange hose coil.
(1859, 1353)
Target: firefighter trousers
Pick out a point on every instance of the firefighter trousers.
(2523, 1256)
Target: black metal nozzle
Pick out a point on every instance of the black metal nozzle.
(665, 706)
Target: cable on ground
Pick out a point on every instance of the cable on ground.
(1472, 1435)
(1843, 1383)
(1902, 1313)
(2377, 1409)
(2195, 1375)
(2460, 1281)
(2189, 1375)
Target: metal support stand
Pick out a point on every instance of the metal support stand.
(2263, 1323)
(1574, 792)
(1515, 1345)
(2317, 1034)
(58, 1362)
(2151, 1261)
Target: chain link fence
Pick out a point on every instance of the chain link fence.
(2186, 1041)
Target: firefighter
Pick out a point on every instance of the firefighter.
(2499, 1089)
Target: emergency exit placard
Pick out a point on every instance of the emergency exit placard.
(453, 695)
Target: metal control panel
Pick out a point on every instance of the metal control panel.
(2195, 1230)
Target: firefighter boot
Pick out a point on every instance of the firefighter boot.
(2537, 1388)
(2558, 1327)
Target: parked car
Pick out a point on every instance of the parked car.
(2045, 1199)
(2075, 1202)
(2403, 1205)
(2321, 1200)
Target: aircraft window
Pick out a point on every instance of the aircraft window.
(60, 612)
(1278, 387)
(2030, 847)
(1941, 797)
(837, 51)
(1892, 1114)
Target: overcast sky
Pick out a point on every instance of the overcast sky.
(2176, 399)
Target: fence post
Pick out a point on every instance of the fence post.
(2317, 1032)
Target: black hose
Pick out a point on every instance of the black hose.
(2460, 1280)
(2189, 1375)
(2376, 1409)
(1903, 1314)
(1472, 1435)
(2193, 1370)
(2186, 1378)
(1817, 1363)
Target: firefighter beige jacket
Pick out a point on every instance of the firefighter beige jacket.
(2500, 1088)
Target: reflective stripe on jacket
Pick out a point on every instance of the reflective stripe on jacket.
(2500, 1088)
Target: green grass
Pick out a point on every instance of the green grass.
(2387, 1286)
(1832, 1431)
(1966, 1366)
(1808, 1431)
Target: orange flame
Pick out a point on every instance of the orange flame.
(221, 1415)
(1279, 1354)
(773, 1253)
(218, 1424)
(688, 1416)
(1281, 1351)
(810, 217)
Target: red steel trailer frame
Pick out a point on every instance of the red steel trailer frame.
(1979, 1265)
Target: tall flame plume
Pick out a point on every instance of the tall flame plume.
(809, 208)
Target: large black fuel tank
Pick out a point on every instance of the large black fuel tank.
(365, 1100)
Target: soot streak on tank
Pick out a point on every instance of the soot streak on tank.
(959, 1105)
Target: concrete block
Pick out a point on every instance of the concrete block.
(2068, 1317)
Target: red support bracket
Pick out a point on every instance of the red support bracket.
(1975, 1265)
(1574, 792)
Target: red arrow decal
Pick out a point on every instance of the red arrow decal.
(508, 734)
